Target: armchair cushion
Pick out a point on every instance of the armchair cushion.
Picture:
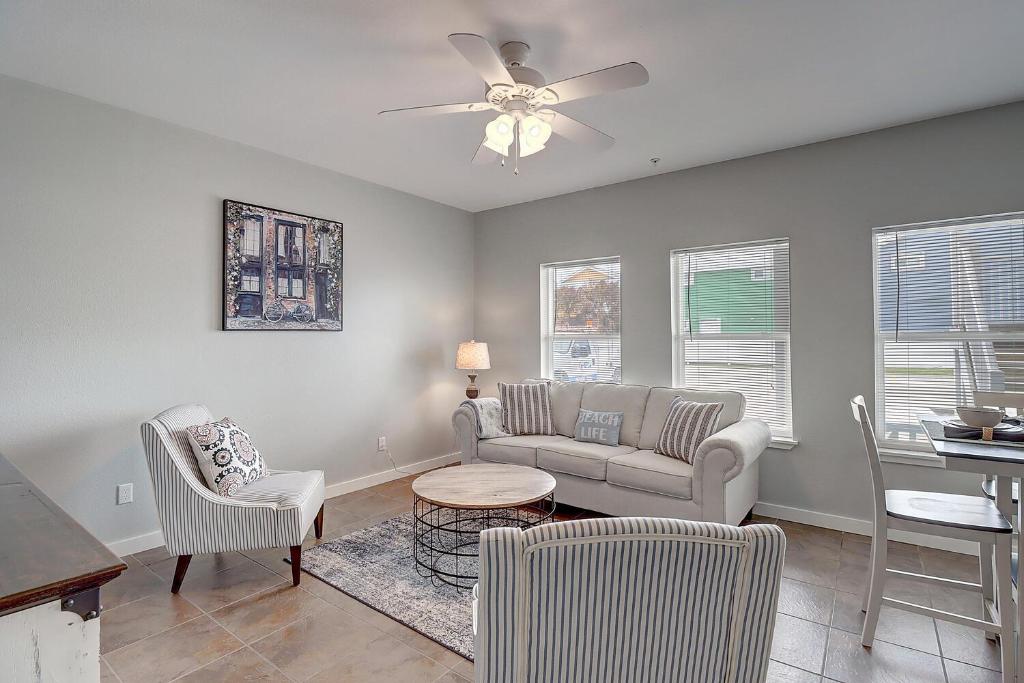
(284, 490)
(226, 455)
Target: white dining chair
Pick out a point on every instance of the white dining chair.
(968, 518)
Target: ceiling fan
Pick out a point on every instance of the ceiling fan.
(524, 100)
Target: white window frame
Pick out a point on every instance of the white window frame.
(779, 441)
(907, 452)
(547, 320)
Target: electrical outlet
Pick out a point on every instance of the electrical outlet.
(125, 494)
(382, 443)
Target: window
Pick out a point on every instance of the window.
(291, 260)
(250, 279)
(730, 325)
(580, 321)
(323, 254)
(949, 319)
(252, 231)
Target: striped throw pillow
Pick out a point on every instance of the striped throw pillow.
(687, 425)
(525, 408)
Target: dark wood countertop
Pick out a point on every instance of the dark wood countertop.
(44, 553)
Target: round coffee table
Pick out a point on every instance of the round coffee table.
(452, 505)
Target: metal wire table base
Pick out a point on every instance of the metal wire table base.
(446, 541)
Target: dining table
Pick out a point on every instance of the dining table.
(1001, 462)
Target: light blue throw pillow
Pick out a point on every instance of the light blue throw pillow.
(598, 427)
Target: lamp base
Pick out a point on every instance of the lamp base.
(471, 390)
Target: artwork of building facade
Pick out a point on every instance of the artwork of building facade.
(282, 270)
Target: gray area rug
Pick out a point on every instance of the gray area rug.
(375, 566)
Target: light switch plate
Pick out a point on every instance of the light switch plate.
(382, 443)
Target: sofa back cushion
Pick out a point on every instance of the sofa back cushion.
(628, 399)
(658, 402)
(565, 403)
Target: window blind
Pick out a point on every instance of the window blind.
(731, 316)
(949, 318)
(581, 321)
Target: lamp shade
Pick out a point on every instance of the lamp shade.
(472, 355)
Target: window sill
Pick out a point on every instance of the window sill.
(783, 444)
(908, 457)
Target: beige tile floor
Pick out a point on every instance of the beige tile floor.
(237, 617)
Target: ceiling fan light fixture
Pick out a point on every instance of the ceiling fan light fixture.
(534, 131)
(499, 134)
(533, 134)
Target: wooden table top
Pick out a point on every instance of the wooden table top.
(44, 553)
(974, 450)
(484, 486)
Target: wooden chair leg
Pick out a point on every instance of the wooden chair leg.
(985, 558)
(1007, 615)
(296, 552)
(876, 588)
(318, 523)
(179, 572)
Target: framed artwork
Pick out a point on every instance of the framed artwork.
(282, 270)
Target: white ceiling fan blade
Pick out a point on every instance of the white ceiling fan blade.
(613, 78)
(484, 154)
(571, 129)
(432, 109)
(482, 57)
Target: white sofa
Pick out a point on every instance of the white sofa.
(631, 479)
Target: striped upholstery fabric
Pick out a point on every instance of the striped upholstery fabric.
(196, 520)
(627, 600)
(526, 408)
(688, 423)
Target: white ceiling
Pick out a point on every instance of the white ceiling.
(729, 78)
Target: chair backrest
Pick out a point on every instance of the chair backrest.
(632, 598)
(860, 414)
(172, 465)
(1001, 400)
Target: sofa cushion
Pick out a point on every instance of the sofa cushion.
(648, 471)
(515, 450)
(656, 412)
(595, 427)
(565, 403)
(687, 426)
(628, 399)
(582, 459)
(525, 408)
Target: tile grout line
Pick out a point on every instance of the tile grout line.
(247, 646)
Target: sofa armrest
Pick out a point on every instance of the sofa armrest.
(732, 449)
(464, 422)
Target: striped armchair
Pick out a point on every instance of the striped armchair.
(628, 599)
(275, 511)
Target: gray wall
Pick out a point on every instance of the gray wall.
(826, 198)
(110, 255)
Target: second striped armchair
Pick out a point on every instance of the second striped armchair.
(275, 511)
(630, 599)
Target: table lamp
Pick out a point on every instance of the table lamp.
(472, 355)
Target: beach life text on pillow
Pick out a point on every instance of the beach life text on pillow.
(595, 426)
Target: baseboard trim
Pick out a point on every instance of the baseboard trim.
(155, 539)
(861, 526)
(136, 544)
(343, 487)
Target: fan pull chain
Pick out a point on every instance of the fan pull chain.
(515, 133)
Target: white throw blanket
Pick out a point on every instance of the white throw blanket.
(488, 417)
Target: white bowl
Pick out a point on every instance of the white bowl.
(979, 417)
